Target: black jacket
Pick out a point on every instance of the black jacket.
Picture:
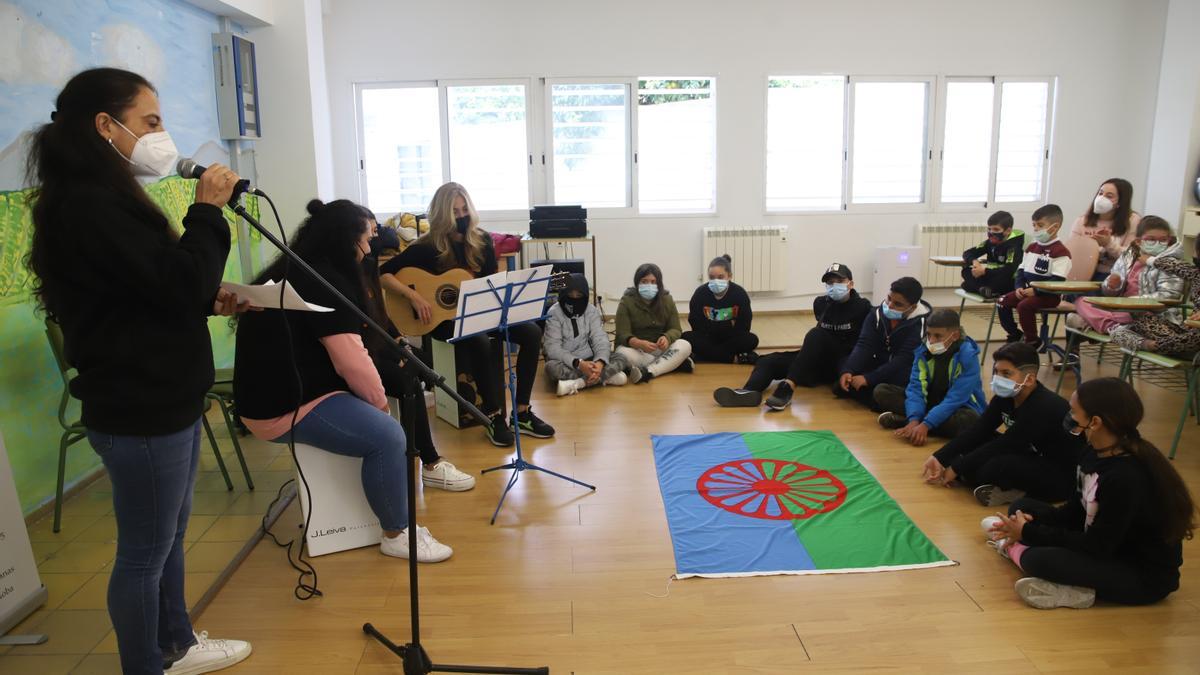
(264, 383)
(843, 319)
(1034, 427)
(1005, 256)
(884, 354)
(1124, 526)
(135, 325)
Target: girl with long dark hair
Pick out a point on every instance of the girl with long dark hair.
(339, 403)
(648, 332)
(1120, 538)
(132, 299)
(1111, 221)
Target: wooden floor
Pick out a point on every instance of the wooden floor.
(569, 579)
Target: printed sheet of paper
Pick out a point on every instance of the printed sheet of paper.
(528, 297)
(267, 296)
(478, 306)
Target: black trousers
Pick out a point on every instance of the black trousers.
(1021, 469)
(1113, 579)
(483, 358)
(816, 362)
(707, 348)
(1000, 281)
(891, 398)
(393, 384)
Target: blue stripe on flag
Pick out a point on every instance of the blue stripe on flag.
(710, 540)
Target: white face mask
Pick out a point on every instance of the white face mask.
(1102, 205)
(154, 154)
(935, 348)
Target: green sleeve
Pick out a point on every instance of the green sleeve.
(674, 330)
(624, 326)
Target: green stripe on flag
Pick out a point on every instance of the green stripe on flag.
(869, 529)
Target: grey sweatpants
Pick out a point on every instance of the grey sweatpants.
(560, 370)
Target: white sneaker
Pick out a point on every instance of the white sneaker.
(446, 476)
(1044, 594)
(569, 387)
(987, 524)
(618, 380)
(208, 655)
(429, 550)
(1077, 322)
(1001, 547)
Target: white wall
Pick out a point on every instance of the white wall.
(1175, 150)
(1105, 52)
(292, 159)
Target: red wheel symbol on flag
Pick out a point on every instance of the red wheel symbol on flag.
(772, 489)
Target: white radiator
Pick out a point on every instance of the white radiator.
(949, 239)
(758, 254)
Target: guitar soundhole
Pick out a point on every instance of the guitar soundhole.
(447, 296)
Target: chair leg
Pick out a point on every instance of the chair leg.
(1187, 406)
(237, 447)
(1075, 366)
(217, 452)
(1125, 372)
(62, 475)
(987, 340)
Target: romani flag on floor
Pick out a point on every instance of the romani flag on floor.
(790, 502)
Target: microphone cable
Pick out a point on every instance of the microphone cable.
(303, 589)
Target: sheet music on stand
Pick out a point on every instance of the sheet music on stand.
(504, 298)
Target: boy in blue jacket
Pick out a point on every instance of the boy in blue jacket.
(884, 351)
(945, 391)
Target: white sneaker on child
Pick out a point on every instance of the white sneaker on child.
(1044, 594)
(569, 387)
(429, 550)
(617, 380)
(446, 476)
(209, 655)
(987, 525)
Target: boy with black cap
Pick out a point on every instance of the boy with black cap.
(578, 354)
(840, 312)
(886, 344)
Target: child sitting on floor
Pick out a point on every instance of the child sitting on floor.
(577, 351)
(719, 315)
(1132, 277)
(648, 331)
(945, 393)
(1046, 259)
(885, 347)
(1033, 455)
(990, 268)
(1119, 538)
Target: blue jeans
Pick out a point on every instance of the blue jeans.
(152, 481)
(346, 425)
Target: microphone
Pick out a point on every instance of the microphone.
(188, 168)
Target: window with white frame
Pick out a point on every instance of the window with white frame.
(995, 140)
(487, 129)
(400, 142)
(590, 144)
(405, 156)
(805, 143)
(888, 148)
(676, 145)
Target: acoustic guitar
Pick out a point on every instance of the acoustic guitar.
(441, 292)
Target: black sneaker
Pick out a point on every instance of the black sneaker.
(687, 366)
(498, 432)
(646, 377)
(781, 398)
(994, 495)
(890, 420)
(987, 293)
(532, 425)
(746, 358)
(1014, 337)
(737, 398)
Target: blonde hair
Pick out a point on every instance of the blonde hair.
(442, 227)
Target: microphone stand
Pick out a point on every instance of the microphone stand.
(416, 661)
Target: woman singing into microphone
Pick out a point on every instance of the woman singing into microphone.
(132, 298)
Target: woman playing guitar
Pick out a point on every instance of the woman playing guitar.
(455, 241)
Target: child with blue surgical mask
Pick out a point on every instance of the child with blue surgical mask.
(840, 312)
(1034, 456)
(719, 315)
(649, 336)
